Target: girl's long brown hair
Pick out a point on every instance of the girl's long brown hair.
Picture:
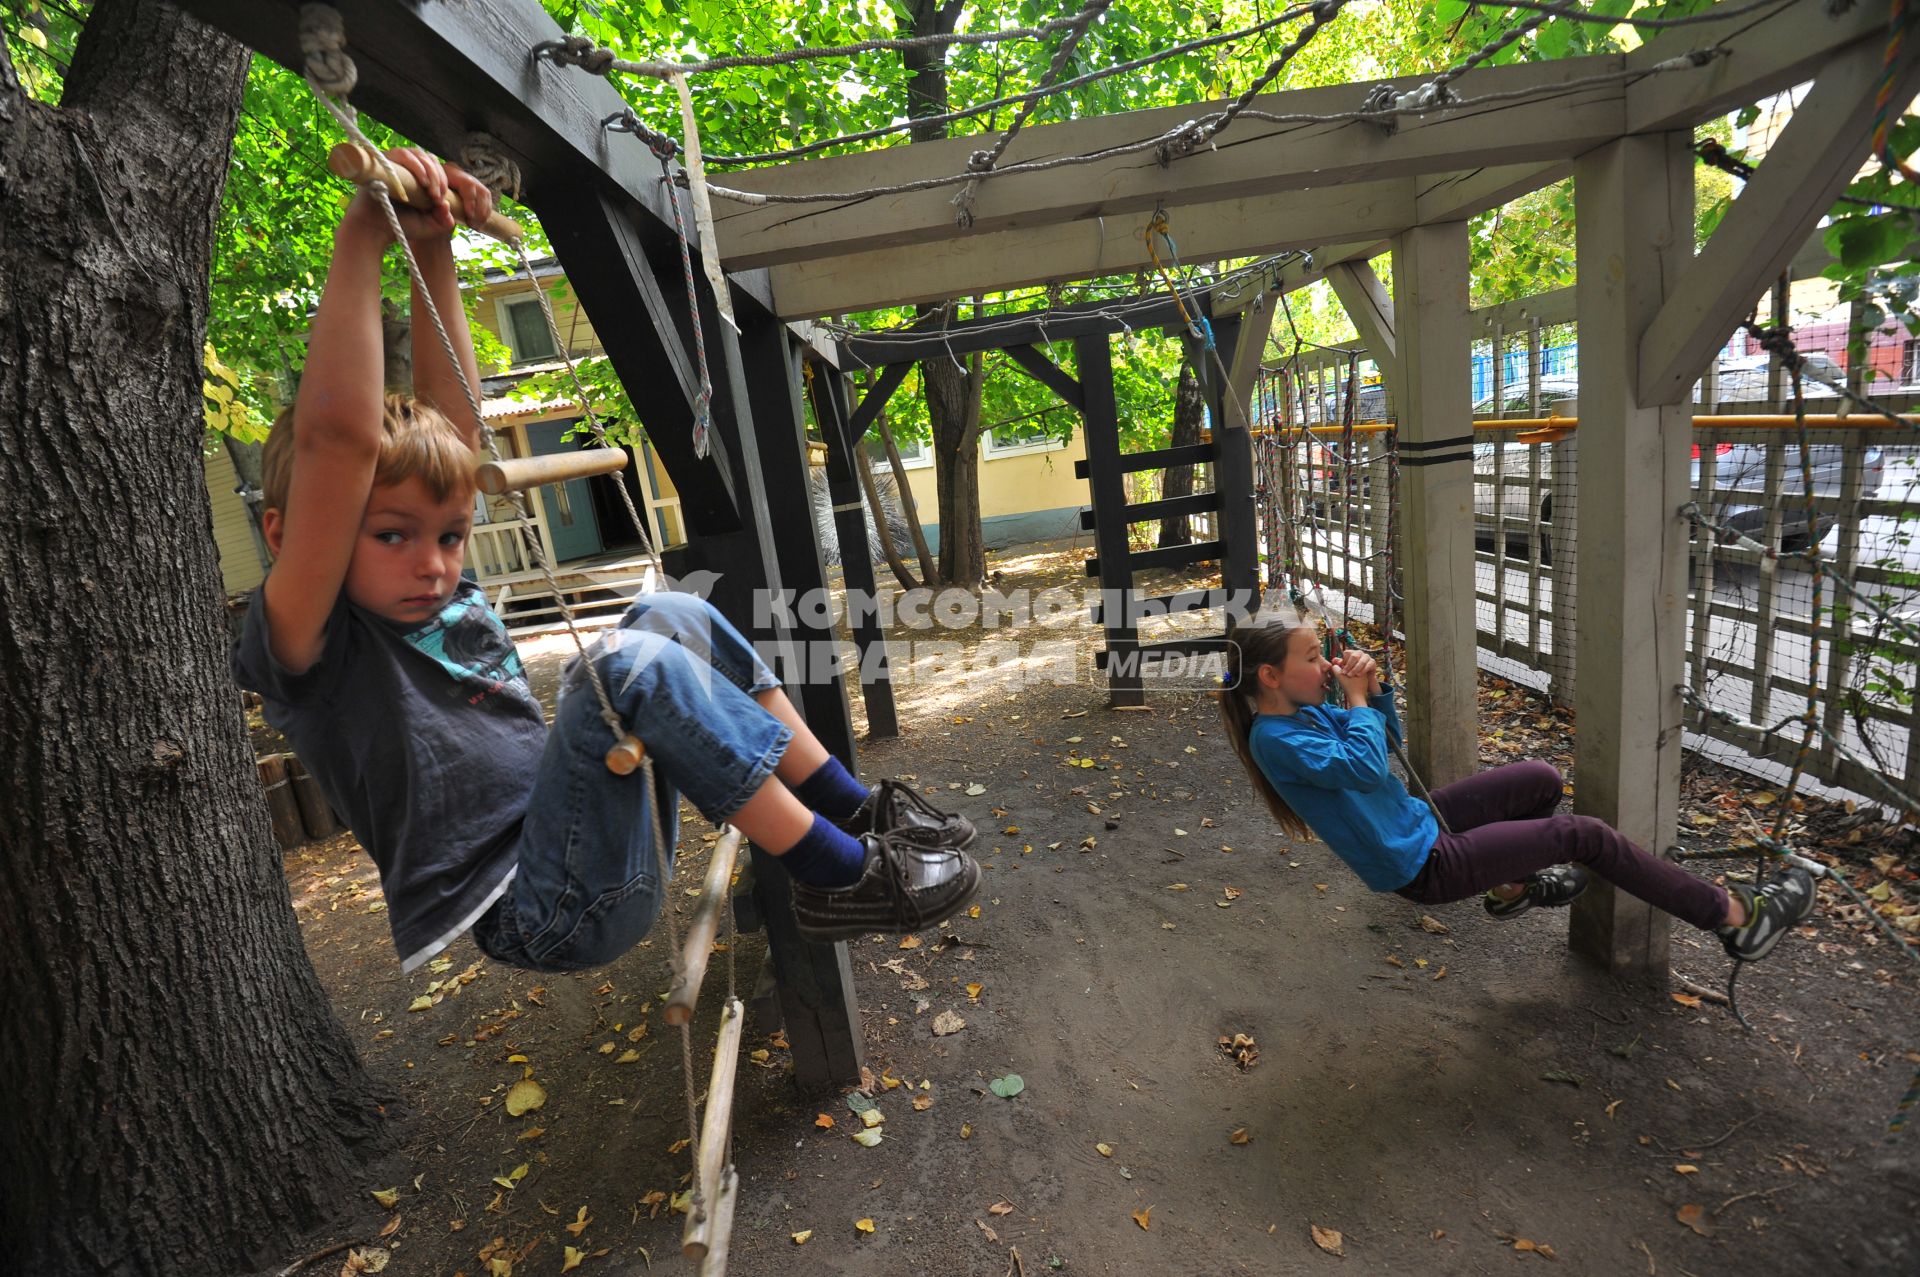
(1262, 639)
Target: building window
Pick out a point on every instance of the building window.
(526, 330)
(1022, 436)
(1909, 362)
(914, 453)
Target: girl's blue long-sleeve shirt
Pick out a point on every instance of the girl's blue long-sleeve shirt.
(1331, 767)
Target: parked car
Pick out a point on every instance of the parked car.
(1740, 485)
(1744, 377)
(1517, 400)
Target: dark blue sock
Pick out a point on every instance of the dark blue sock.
(826, 856)
(832, 791)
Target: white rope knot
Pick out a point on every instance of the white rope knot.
(323, 42)
(480, 155)
(980, 162)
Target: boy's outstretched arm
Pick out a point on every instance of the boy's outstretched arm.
(435, 381)
(337, 432)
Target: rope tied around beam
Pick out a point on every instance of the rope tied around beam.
(323, 45)
(480, 155)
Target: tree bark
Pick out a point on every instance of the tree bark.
(181, 1096)
(952, 391)
(1189, 410)
(908, 506)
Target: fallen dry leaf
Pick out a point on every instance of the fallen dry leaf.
(1684, 1168)
(975, 990)
(921, 1103)
(1433, 926)
(387, 1197)
(1694, 1217)
(909, 942)
(988, 1230)
(824, 1122)
(1140, 1216)
(393, 1226)
(1240, 1136)
(1685, 999)
(966, 1130)
(580, 1222)
(947, 1022)
(1328, 1239)
(800, 1238)
(1001, 1207)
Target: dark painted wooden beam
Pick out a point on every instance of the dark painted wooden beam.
(875, 400)
(437, 71)
(996, 332)
(1032, 361)
(1106, 482)
(856, 560)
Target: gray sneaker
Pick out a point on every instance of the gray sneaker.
(1549, 889)
(1777, 908)
(907, 885)
(893, 807)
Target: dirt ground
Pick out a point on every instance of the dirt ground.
(1447, 1095)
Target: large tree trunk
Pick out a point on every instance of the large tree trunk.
(1189, 410)
(180, 1097)
(952, 392)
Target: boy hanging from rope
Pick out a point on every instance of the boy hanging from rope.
(1494, 833)
(405, 698)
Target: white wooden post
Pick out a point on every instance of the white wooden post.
(1634, 237)
(1435, 397)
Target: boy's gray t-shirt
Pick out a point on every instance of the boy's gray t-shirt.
(425, 740)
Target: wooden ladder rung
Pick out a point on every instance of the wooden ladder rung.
(715, 895)
(516, 473)
(707, 1228)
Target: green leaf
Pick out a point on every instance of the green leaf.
(1869, 240)
(859, 1103)
(1007, 1087)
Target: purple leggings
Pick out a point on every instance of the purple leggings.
(1504, 829)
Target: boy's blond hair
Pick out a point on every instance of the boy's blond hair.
(417, 442)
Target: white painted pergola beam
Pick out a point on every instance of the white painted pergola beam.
(1766, 52)
(1371, 310)
(1808, 165)
(965, 264)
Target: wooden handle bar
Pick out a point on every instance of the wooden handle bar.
(496, 477)
(707, 1229)
(359, 165)
(716, 894)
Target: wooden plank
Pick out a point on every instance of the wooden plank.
(1451, 197)
(1555, 306)
(1105, 484)
(1367, 304)
(1810, 163)
(1630, 645)
(992, 332)
(1032, 361)
(1436, 505)
(1171, 556)
(716, 894)
(283, 808)
(874, 402)
(1155, 459)
(856, 566)
(1146, 607)
(1249, 350)
(1097, 244)
(1251, 159)
(1238, 524)
(1165, 508)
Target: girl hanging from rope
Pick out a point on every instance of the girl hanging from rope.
(405, 698)
(1323, 770)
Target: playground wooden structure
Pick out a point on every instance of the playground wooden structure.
(1651, 315)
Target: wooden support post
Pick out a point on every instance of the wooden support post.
(514, 474)
(705, 1227)
(1634, 237)
(316, 814)
(845, 459)
(1435, 399)
(716, 893)
(1107, 484)
(1563, 485)
(1238, 527)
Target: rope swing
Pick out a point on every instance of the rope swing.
(330, 73)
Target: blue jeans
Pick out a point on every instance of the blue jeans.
(588, 886)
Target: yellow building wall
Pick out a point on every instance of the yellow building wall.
(240, 567)
(580, 339)
(1019, 484)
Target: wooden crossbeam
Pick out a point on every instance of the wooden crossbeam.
(1097, 244)
(1154, 459)
(1810, 163)
(1171, 556)
(1165, 508)
(1371, 309)
(1049, 374)
(994, 332)
(1765, 52)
